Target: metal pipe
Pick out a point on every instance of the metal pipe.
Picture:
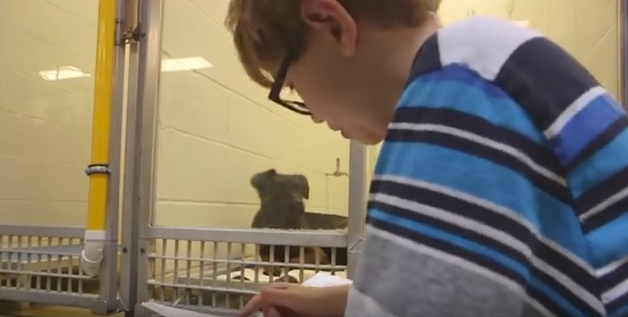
(357, 202)
(98, 171)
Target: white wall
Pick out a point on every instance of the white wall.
(216, 127)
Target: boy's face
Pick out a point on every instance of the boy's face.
(336, 77)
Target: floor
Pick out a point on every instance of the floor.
(51, 311)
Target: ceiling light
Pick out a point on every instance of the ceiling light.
(522, 23)
(63, 72)
(183, 64)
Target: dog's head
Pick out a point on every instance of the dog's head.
(270, 184)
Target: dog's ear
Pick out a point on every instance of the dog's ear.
(261, 181)
(304, 186)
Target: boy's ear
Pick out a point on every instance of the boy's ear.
(304, 186)
(261, 181)
(329, 16)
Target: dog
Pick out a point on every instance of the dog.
(282, 207)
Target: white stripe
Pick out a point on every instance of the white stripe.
(601, 272)
(554, 129)
(615, 292)
(482, 43)
(522, 157)
(460, 262)
(605, 204)
(496, 235)
(489, 205)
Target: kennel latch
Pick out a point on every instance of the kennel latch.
(128, 35)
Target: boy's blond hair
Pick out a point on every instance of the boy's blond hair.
(264, 31)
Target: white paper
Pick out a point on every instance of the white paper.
(167, 311)
(318, 280)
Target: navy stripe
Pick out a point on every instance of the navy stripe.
(477, 125)
(490, 218)
(602, 191)
(496, 156)
(427, 58)
(616, 305)
(605, 216)
(544, 79)
(617, 127)
(617, 276)
(472, 257)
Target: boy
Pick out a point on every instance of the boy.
(501, 187)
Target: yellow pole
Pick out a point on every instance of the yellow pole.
(97, 197)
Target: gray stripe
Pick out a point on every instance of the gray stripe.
(403, 282)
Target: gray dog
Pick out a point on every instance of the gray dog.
(282, 207)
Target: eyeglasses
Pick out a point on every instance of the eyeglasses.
(278, 84)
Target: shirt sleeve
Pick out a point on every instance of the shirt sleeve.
(586, 129)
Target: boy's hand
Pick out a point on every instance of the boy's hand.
(294, 300)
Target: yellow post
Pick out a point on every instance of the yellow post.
(98, 170)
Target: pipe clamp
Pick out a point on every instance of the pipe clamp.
(98, 169)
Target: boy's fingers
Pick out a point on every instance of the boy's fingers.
(272, 295)
(252, 306)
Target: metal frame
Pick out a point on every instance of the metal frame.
(146, 61)
(622, 21)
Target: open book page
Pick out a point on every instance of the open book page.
(318, 280)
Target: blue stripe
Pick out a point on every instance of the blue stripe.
(489, 181)
(609, 243)
(476, 248)
(600, 166)
(456, 87)
(584, 127)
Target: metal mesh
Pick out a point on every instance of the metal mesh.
(48, 264)
(225, 275)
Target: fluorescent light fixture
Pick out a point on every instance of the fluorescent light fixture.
(523, 23)
(63, 72)
(183, 64)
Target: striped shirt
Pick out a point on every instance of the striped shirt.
(501, 188)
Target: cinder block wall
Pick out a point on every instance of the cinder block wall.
(217, 129)
(45, 125)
